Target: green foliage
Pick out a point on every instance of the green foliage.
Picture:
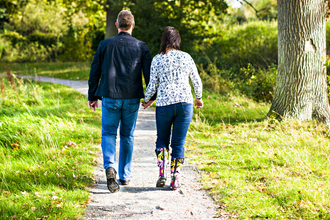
(257, 83)
(328, 38)
(48, 32)
(190, 18)
(9, 8)
(243, 58)
(252, 81)
(214, 79)
(75, 46)
(34, 33)
(47, 134)
(38, 16)
(237, 45)
(4, 45)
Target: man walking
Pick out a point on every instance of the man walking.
(118, 61)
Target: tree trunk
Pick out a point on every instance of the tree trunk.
(111, 29)
(301, 84)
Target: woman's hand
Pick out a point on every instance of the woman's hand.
(147, 104)
(198, 103)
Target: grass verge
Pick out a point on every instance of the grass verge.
(65, 70)
(47, 153)
(259, 168)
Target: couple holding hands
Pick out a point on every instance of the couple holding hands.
(116, 78)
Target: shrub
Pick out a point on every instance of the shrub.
(258, 83)
(214, 79)
(34, 33)
(237, 45)
(252, 81)
(4, 46)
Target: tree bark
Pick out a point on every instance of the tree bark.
(110, 29)
(301, 83)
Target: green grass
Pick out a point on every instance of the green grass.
(65, 70)
(47, 150)
(252, 166)
(259, 168)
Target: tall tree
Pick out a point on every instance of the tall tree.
(110, 29)
(301, 84)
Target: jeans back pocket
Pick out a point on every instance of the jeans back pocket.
(111, 104)
(187, 108)
(162, 110)
(133, 105)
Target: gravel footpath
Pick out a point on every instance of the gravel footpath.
(141, 199)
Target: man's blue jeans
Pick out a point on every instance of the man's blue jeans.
(125, 112)
(179, 115)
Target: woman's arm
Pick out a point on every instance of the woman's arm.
(196, 80)
(154, 81)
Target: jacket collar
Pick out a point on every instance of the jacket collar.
(123, 33)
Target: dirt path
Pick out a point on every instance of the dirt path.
(141, 199)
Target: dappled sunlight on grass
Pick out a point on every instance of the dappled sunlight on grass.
(261, 168)
(47, 153)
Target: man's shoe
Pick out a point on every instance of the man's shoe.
(111, 180)
(124, 182)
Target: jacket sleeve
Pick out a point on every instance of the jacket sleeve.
(146, 63)
(95, 75)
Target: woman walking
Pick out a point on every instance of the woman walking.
(170, 73)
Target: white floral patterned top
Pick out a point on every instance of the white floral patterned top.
(170, 76)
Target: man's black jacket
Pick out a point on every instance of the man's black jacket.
(118, 61)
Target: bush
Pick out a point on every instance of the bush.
(40, 33)
(214, 79)
(253, 82)
(34, 33)
(4, 45)
(258, 83)
(237, 45)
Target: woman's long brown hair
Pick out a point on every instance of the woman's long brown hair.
(171, 40)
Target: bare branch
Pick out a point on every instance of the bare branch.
(257, 11)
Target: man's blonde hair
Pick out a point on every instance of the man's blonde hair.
(125, 20)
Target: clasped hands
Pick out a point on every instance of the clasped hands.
(147, 104)
(198, 103)
(94, 104)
